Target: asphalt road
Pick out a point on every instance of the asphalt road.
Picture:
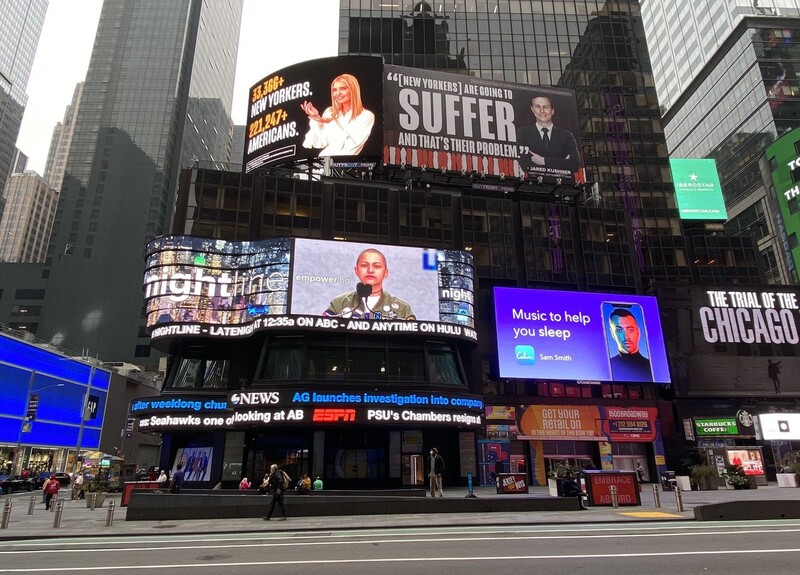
(673, 547)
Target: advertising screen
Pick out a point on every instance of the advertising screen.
(780, 426)
(453, 122)
(784, 160)
(212, 288)
(561, 335)
(697, 189)
(327, 107)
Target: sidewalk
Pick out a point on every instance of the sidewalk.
(79, 521)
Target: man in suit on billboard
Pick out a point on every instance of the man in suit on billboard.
(545, 145)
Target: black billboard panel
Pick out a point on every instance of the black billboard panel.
(327, 107)
(460, 123)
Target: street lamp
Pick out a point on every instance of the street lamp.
(26, 418)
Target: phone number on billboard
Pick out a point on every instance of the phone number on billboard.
(316, 323)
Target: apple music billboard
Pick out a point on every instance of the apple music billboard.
(559, 335)
(213, 288)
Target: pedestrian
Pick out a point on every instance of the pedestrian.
(436, 469)
(278, 481)
(44, 489)
(162, 478)
(51, 490)
(318, 484)
(304, 485)
(77, 486)
(570, 488)
(640, 471)
(177, 480)
(244, 484)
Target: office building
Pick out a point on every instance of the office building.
(61, 140)
(27, 219)
(156, 97)
(730, 104)
(20, 27)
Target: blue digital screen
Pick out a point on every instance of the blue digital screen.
(559, 335)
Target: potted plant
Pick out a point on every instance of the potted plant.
(736, 478)
(704, 477)
(98, 486)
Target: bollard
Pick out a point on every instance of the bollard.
(59, 512)
(614, 499)
(110, 515)
(470, 494)
(32, 505)
(53, 503)
(656, 497)
(678, 499)
(6, 514)
(92, 500)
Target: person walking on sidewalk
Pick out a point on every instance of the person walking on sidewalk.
(436, 467)
(77, 486)
(177, 481)
(278, 481)
(50, 490)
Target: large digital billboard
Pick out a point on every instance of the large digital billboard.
(354, 108)
(213, 288)
(327, 107)
(560, 335)
(460, 123)
(697, 189)
(784, 161)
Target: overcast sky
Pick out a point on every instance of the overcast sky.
(300, 30)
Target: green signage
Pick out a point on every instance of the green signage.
(715, 427)
(784, 160)
(697, 189)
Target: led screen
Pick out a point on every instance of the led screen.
(458, 123)
(212, 288)
(697, 189)
(579, 336)
(328, 107)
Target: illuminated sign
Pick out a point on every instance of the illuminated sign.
(779, 426)
(589, 423)
(333, 414)
(598, 487)
(697, 189)
(715, 426)
(452, 122)
(750, 316)
(326, 107)
(213, 288)
(177, 404)
(785, 164)
(554, 335)
(242, 398)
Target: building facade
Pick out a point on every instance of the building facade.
(61, 141)
(20, 28)
(27, 219)
(157, 95)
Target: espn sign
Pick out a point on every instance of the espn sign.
(333, 415)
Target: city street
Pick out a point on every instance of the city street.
(677, 547)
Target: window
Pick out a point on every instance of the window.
(194, 373)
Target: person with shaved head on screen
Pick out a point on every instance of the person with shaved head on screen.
(369, 300)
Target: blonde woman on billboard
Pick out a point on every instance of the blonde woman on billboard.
(344, 127)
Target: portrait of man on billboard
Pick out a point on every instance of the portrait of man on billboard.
(545, 145)
(345, 126)
(627, 360)
(369, 299)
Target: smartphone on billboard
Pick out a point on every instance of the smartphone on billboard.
(627, 342)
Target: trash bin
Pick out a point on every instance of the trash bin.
(667, 480)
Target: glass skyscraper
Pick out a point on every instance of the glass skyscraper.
(157, 96)
(21, 24)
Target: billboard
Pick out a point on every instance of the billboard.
(779, 426)
(460, 123)
(560, 335)
(353, 108)
(213, 288)
(327, 107)
(697, 189)
(784, 161)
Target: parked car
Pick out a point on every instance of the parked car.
(12, 483)
(63, 478)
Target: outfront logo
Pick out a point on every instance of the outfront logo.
(525, 354)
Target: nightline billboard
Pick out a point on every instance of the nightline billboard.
(213, 288)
